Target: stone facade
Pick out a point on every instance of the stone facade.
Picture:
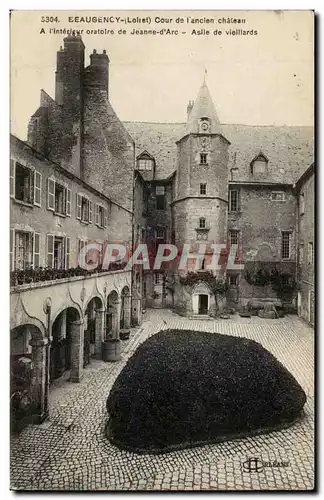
(305, 189)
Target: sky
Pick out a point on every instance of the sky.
(263, 79)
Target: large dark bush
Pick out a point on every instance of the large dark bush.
(183, 388)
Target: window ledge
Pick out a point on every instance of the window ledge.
(203, 229)
(58, 214)
(84, 221)
(24, 203)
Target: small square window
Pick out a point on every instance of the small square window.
(278, 196)
(203, 189)
(203, 158)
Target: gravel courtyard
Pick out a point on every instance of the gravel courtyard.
(70, 451)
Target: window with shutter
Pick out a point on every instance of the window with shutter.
(97, 215)
(105, 217)
(79, 206)
(50, 250)
(12, 248)
(36, 251)
(51, 194)
(90, 212)
(67, 253)
(12, 178)
(68, 201)
(37, 188)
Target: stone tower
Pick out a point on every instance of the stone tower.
(201, 191)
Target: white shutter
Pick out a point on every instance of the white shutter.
(50, 250)
(78, 207)
(97, 215)
(51, 194)
(12, 249)
(67, 253)
(37, 188)
(105, 217)
(36, 250)
(68, 201)
(90, 211)
(12, 177)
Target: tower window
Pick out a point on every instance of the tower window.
(234, 237)
(144, 163)
(285, 245)
(234, 204)
(202, 223)
(277, 196)
(203, 158)
(160, 197)
(203, 189)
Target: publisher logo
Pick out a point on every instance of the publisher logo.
(257, 465)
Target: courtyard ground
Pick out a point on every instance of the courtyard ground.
(69, 451)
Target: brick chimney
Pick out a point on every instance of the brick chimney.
(97, 74)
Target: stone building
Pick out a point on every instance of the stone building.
(83, 176)
(71, 183)
(227, 185)
(305, 190)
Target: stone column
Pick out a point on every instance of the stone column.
(39, 379)
(116, 318)
(127, 311)
(136, 312)
(100, 331)
(77, 341)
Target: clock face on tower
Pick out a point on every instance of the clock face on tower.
(204, 126)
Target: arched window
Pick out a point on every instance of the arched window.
(259, 164)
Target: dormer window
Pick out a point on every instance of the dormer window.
(145, 162)
(259, 164)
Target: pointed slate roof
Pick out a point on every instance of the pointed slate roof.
(203, 107)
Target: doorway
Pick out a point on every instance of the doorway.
(203, 304)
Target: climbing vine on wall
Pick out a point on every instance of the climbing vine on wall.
(217, 285)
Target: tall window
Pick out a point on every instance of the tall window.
(84, 208)
(234, 237)
(23, 184)
(159, 237)
(234, 204)
(301, 204)
(101, 216)
(203, 189)
(160, 197)
(203, 158)
(58, 252)
(23, 250)
(58, 198)
(202, 223)
(310, 253)
(285, 244)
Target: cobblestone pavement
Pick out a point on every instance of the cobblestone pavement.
(70, 452)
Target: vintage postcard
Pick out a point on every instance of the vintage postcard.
(162, 250)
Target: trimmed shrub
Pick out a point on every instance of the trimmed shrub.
(185, 388)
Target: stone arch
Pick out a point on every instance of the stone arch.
(264, 253)
(94, 309)
(72, 305)
(61, 345)
(113, 314)
(202, 299)
(125, 309)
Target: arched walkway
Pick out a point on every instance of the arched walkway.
(113, 315)
(125, 312)
(28, 375)
(60, 359)
(93, 329)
